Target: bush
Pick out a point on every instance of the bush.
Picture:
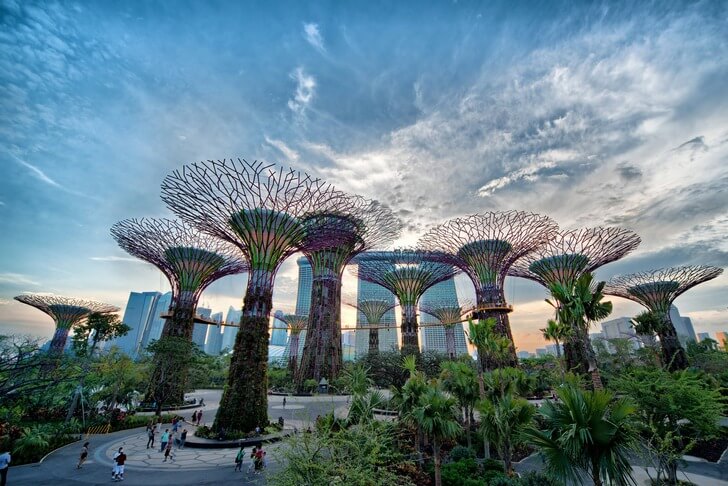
(454, 473)
(491, 476)
(461, 452)
(533, 478)
(310, 385)
(493, 465)
(503, 480)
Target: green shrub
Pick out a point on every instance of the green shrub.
(454, 473)
(461, 452)
(533, 478)
(310, 385)
(493, 465)
(503, 480)
(490, 476)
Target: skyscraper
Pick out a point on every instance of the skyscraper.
(722, 338)
(683, 326)
(231, 332)
(137, 315)
(199, 331)
(433, 338)
(387, 336)
(213, 343)
(279, 333)
(620, 328)
(156, 323)
(702, 336)
(305, 281)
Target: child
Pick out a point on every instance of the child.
(239, 460)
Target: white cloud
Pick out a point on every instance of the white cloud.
(16, 279)
(36, 172)
(305, 89)
(113, 258)
(281, 146)
(313, 36)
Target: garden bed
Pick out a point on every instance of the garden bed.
(710, 450)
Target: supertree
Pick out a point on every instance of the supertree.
(191, 261)
(296, 324)
(66, 312)
(333, 238)
(449, 316)
(566, 257)
(373, 310)
(407, 273)
(484, 246)
(656, 290)
(258, 208)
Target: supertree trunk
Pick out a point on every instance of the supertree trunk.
(673, 354)
(493, 297)
(410, 330)
(293, 353)
(322, 357)
(450, 341)
(168, 383)
(244, 403)
(373, 340)
(575, 353)
(60, 336)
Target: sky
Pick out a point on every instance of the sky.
(593, 113)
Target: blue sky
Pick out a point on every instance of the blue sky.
(601, 113)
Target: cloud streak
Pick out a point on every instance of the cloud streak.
(304, 93)
(313, 36)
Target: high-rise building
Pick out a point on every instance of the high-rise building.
(279, 333)
(683, 326)
(231, 332)
(433, 338)
(552, 349)
(213, 343)
(305, 282)
(388, 327)
(137, 315)
(722, 338)
(523, 355)
(540, 352)
(156, 322)
(702, 336)
(620, 328)
(199, 331)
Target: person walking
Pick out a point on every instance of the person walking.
(164, 440)
(199, 417)
(4, 465)
(168, 453)
(259, 460)
(284, 402)
(84, 455)
(150, 436)
(252, 458)
(175, 424)
(119, 459)
(239, 459)
(194, 417)
(182, 438)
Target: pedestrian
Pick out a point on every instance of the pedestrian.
(84, 455)
(263, 459)
(257, 430)
(164, 439)
(158, 426)
(182, 438)
(199, 417)
(175, 423)
(194, 417)
(284, 402)
(150, 436)
(252, 458)
(4, 464)
(202, 402)
(168, 454)
(259, 454)
(120, 459)
(239, 459)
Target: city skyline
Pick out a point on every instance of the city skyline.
(578, 112)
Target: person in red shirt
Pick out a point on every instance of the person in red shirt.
(120, 459)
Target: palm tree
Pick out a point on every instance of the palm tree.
(491, 347)
(408, 397)
(587, 431)
(646, 325)
(460, 379)
(556, 332)
(436, 414)
(503, 420)
(363, 400)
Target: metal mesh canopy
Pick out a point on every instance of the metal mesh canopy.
(657, 289)
(373, 309)
(570, 254)
(485, 245)
(407, 273)
(448, 314)
(253, 205)
(65, 311)
(189, 259)
(353, 225)
(296, 323)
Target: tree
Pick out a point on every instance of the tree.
(407, 398)
(170, 355)
(674, 409)
(99, 327)
(557, 333)
(363, 400)
(436, 414)
(586, 431)
(460, 379)
(503, 420)
(118, 377)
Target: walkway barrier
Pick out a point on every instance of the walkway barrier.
(98, 429)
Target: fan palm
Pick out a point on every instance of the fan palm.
(587, 432)
(556, 332)
(408, 397)
(436, 414)
(460, 379)
(503, 420)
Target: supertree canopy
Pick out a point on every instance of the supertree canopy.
(656, 290)
(407, 273)
(261, 210)
(566, 257)
(373, 310)
(449, 316)
(66, 312)
(484, 246)
(191, 261)
(333, 238)
(296, 323)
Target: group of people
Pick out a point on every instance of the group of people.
(167, 439)
(257, 459)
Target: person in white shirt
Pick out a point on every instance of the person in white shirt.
(4, 464)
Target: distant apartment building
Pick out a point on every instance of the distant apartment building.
(155, 325)
(139, 312)
(213, 342)
(433, 338)
(199, 330)
(279, 333)
(620, 328)
(231, 332)
(388, 327)
(523, 355)
(722, 338)
(683, 326)
(303, 302)
(702, 336)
